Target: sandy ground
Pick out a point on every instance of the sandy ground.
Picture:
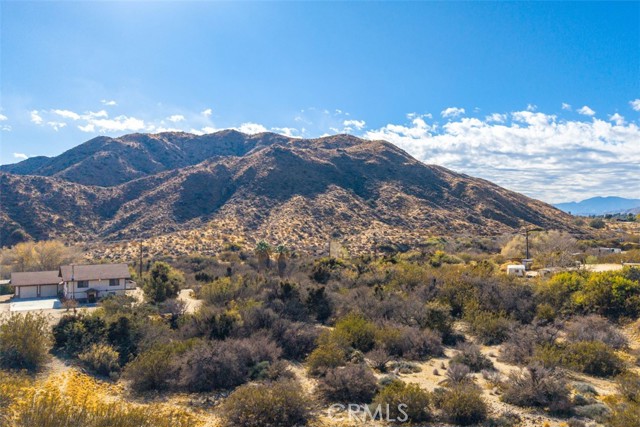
(191, 303)
(603, 267)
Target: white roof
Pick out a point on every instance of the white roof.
(515, 266)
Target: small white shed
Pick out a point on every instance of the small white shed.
(516, 270)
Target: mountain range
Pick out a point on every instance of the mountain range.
(601, 206)
(298, 191)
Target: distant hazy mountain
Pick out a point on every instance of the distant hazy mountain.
(599, 206)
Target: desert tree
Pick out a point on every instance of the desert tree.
(283, 254)
(162, 282)
(263, 252)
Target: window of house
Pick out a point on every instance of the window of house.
(114, 282)
(83, 283)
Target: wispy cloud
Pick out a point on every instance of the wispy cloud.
(452, 112)
(176, 118)
(36, 118)
(207, 113)
(635, 104)
(109, 103)
(20, 156)
(251, 128)
(531, 152)
(354, 124)
(586, 111)
(3, 118)
(566, 106)
(67, 114)
(56, 125)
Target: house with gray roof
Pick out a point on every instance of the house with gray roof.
(76, 281)
(36, 284)
(93, 281)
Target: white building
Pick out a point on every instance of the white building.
(516, 270)
(94, 281)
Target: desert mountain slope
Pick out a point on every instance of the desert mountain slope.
(266, 185)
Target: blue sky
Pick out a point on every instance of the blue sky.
(538, 97)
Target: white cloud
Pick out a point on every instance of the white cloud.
(67, 114)
(20, 156)
(532, 107)
(251, 128)
(617, 119)
(452, 112)
(586, 111)
(566, 106)
(3, 118)
(496, 117)
(56, 125)
(109, 103)
(207, 113)
(176, 118)
(358, 124)
(87, 128)
(635, 104)
(119, 124)
(531, 152)
(209, 129)
(36, 118)
(290, 132)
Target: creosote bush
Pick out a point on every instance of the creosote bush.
(590, 357)
(24, 341)
(397, 393)
(350, 384)
(279, 403)
(537, 386)
(327, 355)
(463, 405)
(102, 359)
(471, 356)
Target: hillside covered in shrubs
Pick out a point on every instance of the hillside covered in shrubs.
(282, 340)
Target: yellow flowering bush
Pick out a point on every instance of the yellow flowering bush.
(76, 399)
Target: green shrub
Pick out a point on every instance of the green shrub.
(280, 403)
(589, 357)
(628, 385)
(74, 334)
(101, 358)
(153, 369)
(350, 384)
(624, 414)
(557, 290)
(463, 405)
(163, 282)
(326, 356)
(24, 341)
(399, 393)
(437, 317)
(610, 294)
(355, 331)
(594, 358)
(490, 328)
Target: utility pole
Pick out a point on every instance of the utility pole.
(140, 264)
(526, 238)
